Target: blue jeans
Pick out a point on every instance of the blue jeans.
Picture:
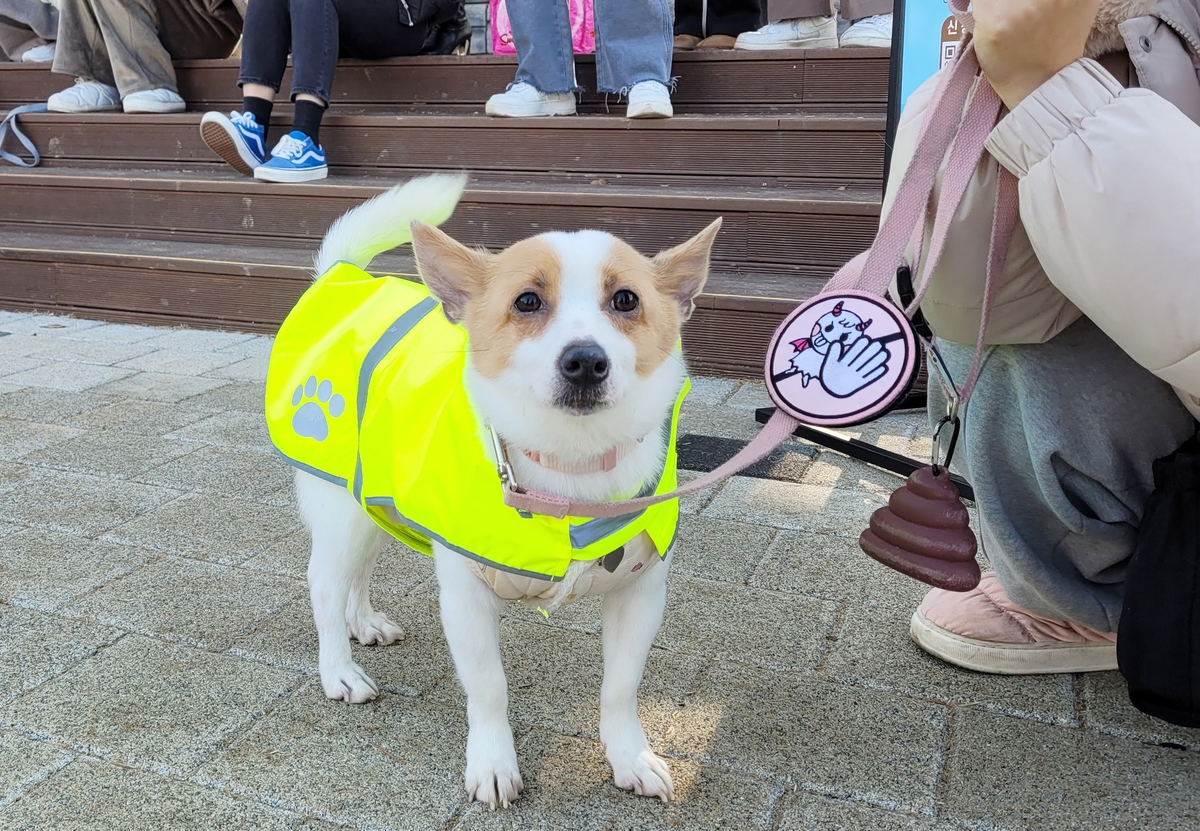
(634, 40)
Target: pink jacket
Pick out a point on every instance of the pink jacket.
(1109, 166)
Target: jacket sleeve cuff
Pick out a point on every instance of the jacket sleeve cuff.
(1055, 111)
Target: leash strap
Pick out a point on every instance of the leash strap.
(10, 122)
(773, 434)
(962, 115)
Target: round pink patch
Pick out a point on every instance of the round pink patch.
(841, 359)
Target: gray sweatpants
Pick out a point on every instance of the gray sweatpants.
(1058, 441)
(25, 24)
(129, 44)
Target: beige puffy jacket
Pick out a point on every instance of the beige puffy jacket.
(1109, 166)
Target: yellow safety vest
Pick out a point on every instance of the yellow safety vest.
(365, 389)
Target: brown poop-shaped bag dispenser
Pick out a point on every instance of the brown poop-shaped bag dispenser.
(924, 532)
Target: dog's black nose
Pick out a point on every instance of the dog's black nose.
(584, 364)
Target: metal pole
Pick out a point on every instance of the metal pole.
(864, 452)
(895, 62)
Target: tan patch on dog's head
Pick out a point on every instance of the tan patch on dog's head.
(666, 288)
(480, 290)
(493, 321)
(654, 323)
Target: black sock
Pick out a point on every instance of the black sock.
(307, 119)
(260, 108)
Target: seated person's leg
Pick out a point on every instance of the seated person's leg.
(796, 24)
(1058, 442)
(633, 54)
(690, 25)
(545, 83)
(28, 29)
(83, 53)
(184, 30)
(872, 23)
(315, 29)
(198, 29)
(715, 24)
(321, 32)
(449, 32)
(141, 63)
(16, 40)
(241, 137)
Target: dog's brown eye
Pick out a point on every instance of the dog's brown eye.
(625, 301)
(527, 303)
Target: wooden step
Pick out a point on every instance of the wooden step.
(789, 80)
(132, 217)
(795, 232)
(829, 149)
(252, 289)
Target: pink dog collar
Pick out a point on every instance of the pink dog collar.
(596, 464)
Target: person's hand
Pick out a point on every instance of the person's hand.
(1022, 44)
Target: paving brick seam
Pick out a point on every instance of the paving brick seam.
(1090, 710)
(941, 779)
(4, 705)
(38, 778)
(831, 637)
(308, 675)
(815, 673)
(811, 673)
(80, 755)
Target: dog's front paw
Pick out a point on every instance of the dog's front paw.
(644, 773)
(348, 682)
(375, 629)
(492, 774)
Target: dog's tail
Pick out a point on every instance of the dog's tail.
(384, 222)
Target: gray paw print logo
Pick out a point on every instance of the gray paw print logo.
(310, 421)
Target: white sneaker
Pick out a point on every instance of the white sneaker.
(524, 101)
(801, 33)
(85, 97)
(870, 31)
(39, 54)
(154, 101)
(649, 99)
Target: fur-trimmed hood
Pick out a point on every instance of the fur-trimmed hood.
(1106, 35)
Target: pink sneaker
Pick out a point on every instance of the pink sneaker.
(985, 631)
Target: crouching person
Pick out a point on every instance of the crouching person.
(120, 51)
(1094, 323)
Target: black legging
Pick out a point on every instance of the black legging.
(318, 32)
(725, 17)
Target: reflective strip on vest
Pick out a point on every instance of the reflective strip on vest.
(365, 389)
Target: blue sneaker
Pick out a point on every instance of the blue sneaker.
(238, 139)
(294, 159)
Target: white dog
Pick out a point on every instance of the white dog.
(573, 362)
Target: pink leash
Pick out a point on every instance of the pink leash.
(958, 123)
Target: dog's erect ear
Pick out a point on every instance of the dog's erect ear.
(683, 270)
(453, 272)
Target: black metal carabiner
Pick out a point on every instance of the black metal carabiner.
(937, 434)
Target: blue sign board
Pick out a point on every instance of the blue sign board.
(931, 36)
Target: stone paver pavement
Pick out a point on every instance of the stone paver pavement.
(158, 660)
